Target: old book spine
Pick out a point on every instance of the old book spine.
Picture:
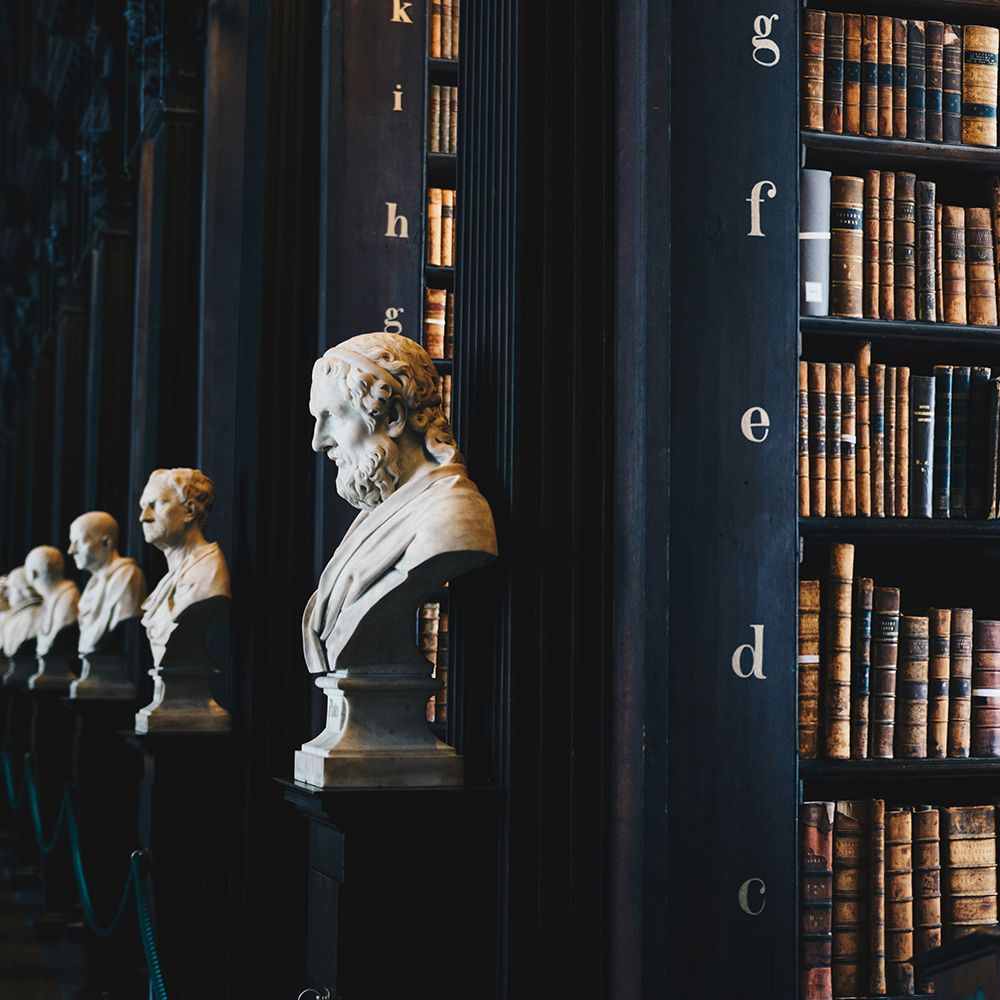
(885, 643)
(976, 443)
(814, 242)
(959, 440)
(926, 884)
(851, 847)
(986, 689)
(922, 451)
(817, 439)
(434, 120)
(834, 429)
(833, 74)
(861, 660)
(869, 75)
(938, 673)
(951, 86)
(885, 78)
(852, 74)
(455, 34)
(899, 902)
(935, 69)
(848, 442)
(453, 120)
(906, 246)
(916, 66)
(837, 702)
(808, 673)
(427, 642)
(960, 683)
(993, 449)
(877, 404)
(887, 245)
(899, 55)
(938, 240)
(447, 228)
(449, 326)
(434, 302)
(446, 26)
(980, 46)
(942, 440)
(846, 245)
(902, 442)
(816, 909)
(864, 449)
(953, 264)
(441, 667)
(890, 442)
(926, 253)
(911, 687)
(444, 121)
(980, 274)
(803, 439)
(995, 217)
(870, 249)
(435, 36)
(876, 908)
(968, 862)
(434, 227)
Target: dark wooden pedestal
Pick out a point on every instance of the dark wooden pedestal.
(190, 814)
(403, 891)
(20, 709)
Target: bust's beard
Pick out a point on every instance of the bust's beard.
(366, 483)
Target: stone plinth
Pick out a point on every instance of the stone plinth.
(21, 668)
(183, 703)
(54, 673)
(103, 676)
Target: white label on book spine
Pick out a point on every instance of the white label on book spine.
(849, 438)
(814, 291)
(808, 659)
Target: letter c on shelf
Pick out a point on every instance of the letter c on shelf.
(744, 896)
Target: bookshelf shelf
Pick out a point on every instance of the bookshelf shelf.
(869, 151)
(919, 335)
(439, 277)
(939, 767)
(442, 70)
(895, 529)
(442, 162)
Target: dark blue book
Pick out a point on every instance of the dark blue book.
(942, 440)
(922, 448)
(959, 440)
(915, 81)
(975, 459)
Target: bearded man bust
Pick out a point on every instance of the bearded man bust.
(423, 522)
(20, 626)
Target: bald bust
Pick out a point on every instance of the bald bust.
(117, 586)
(20, 621)
(46, 568)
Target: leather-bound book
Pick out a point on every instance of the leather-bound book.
(446, 29)
(968, 864)
(803, 439)
(864, 449)
(441, 665)
(986, 689)
(834, 430)
(453, 120)
(455, 18)
(852, 74)
(935, 68)
(995, 216)
(922, 451)
(869, 74)
(434, 305)
(877, 405)
(960, 440)
(980, 46)
(434, 120)
(902, 441)
(876, 907)
(993, 449)
(814, 242)
(435, 34)
(887, 245)
(833, 75)
(899, 902)
(427, 642)
(813, 68)
(938, 250)
(916, 120)
(905, 276)
(837, 700)
(817, 439)
(809, 608)
(816, 908)
(960, 683)
(846, 245)
(943, 375)
(938, 672)
(976, 446)
(870, 246)
(980, 273)
(885, 78)
(851, 847)
(926, 252)
(447, 227)
(446, 389)
(434, 227)
(951, 92)
(911, 687)
(848, 441)
(890, 442)
(926, 884)
(953, 264)
(899, 56)
(449, 326)
(444, 123)
(885, 645)
(861, 666)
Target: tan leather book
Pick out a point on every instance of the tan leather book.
(846, 245)
(887, 245)
(953, 264)
(434, 119)
(885, 650)
(938, 675)
(449, 327)
(960, 683)
(803, 439)
(870, 246)
(446, 394)
(833, 78)
(980, 273)
(861, 666)
(834, 430)
(869, 75)
(877, 404)
(816, 906)
(980, 47)
(435, 35)
(926, 885)
(985, 689)
(837, 702)
(905, 271)
(444, 121)
(899, 902)
(434, 227)
(852, 74)
(808, 669)
(968, 861)
(899, 37)
(447, 227)
(817, 439)
(864, 448)
(910, 738)
(876, 908)
(446, 29)
(885, 78)
(890, 441)
(938, 274)
(851, 844)
(902, 498)
(848, 441)
(455, 12)
(434, 305)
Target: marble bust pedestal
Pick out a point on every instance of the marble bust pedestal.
(22, 665)
(57, 665)
(105, 669)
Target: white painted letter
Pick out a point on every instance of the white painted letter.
(756, 655)
(391, 321)
(399, 11)
(390, 229)
(755, 200)
(762, 44)
(744, 894)
(397, 98)
(755, 417)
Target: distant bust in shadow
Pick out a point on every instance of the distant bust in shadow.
(378, 417)
(175, 506)
(117, 586)
(20, 622)
(57, 616)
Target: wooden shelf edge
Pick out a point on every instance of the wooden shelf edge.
(818, 529)
(867, 149)
(923, 768)
(897, 330)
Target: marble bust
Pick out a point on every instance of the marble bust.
(56, 631)
(378, 417)
(175, 506)
(19, 625)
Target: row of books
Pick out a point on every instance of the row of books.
(882, 246)
(881, 884)
(873, 683)
(444, 387)
(879, 441)
(441, 227)
(442, 42)
(432, 639)
(442, 119)
(439, 322)
(899, 78)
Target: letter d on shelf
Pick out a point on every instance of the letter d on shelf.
(756, 656)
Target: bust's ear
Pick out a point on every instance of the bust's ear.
(395, 418)
(188, 506)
